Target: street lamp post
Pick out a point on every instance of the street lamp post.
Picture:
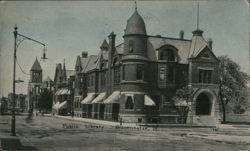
(16, 44)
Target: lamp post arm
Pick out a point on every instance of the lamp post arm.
(31, 39)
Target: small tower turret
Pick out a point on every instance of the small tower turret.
(36, 72)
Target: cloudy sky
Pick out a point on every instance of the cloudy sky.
(68, 28)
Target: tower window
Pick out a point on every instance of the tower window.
(140, 71)
(129, 103)
(131, 46)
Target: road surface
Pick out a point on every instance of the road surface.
(56, 134)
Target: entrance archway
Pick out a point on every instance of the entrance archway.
(203, 104)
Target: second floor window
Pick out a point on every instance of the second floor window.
(205, 76)
(116, 75)
(140, 72)
(167, 55)
(92, 80)
(123, 72)
(171, 74)
(162, 73)
(103, 79)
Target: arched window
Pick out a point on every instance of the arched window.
(167, 55)
(131, 46)
(129, 103)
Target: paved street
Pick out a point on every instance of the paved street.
(57, 134)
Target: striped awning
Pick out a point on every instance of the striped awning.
(55, 106)
(89, 98)
(148, 101)
(113, 98)
(99, 98)
(58, 92)
(62, 105)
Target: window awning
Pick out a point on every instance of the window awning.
(88, 99)
(113, 98)
(148, 101)
(58, 92)
(99, 98)
(55, 106)
(64, 92)
(68, 92)
(62, 105)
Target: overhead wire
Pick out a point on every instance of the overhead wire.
(21, 68)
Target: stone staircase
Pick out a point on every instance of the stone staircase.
(206, 120)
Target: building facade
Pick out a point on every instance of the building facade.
(63, 97)
(136, 80)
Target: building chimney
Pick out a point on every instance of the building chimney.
(181, 34)
(112, 41)
(84, 54)
(210, 43)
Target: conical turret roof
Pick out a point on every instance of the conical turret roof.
(36, 66)
(135, 25)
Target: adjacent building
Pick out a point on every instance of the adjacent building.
(63, 97)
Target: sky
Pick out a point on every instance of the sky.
(68, 28)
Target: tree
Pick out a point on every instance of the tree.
(45, 100)
(233, 86)
(181, 101)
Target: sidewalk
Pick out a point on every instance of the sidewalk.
(222, 137)
(14, 143)
(95, 121)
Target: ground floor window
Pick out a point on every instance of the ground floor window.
(129, 103)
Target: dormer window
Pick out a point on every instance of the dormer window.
(131, 46)
(167, 55)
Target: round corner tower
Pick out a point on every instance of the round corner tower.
(134, 62)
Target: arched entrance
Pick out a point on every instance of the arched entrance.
(203, 104)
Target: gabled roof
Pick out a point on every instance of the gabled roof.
(92, 63)
(36, 66)
(120, 49)
(70, 73)
(104, 45)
